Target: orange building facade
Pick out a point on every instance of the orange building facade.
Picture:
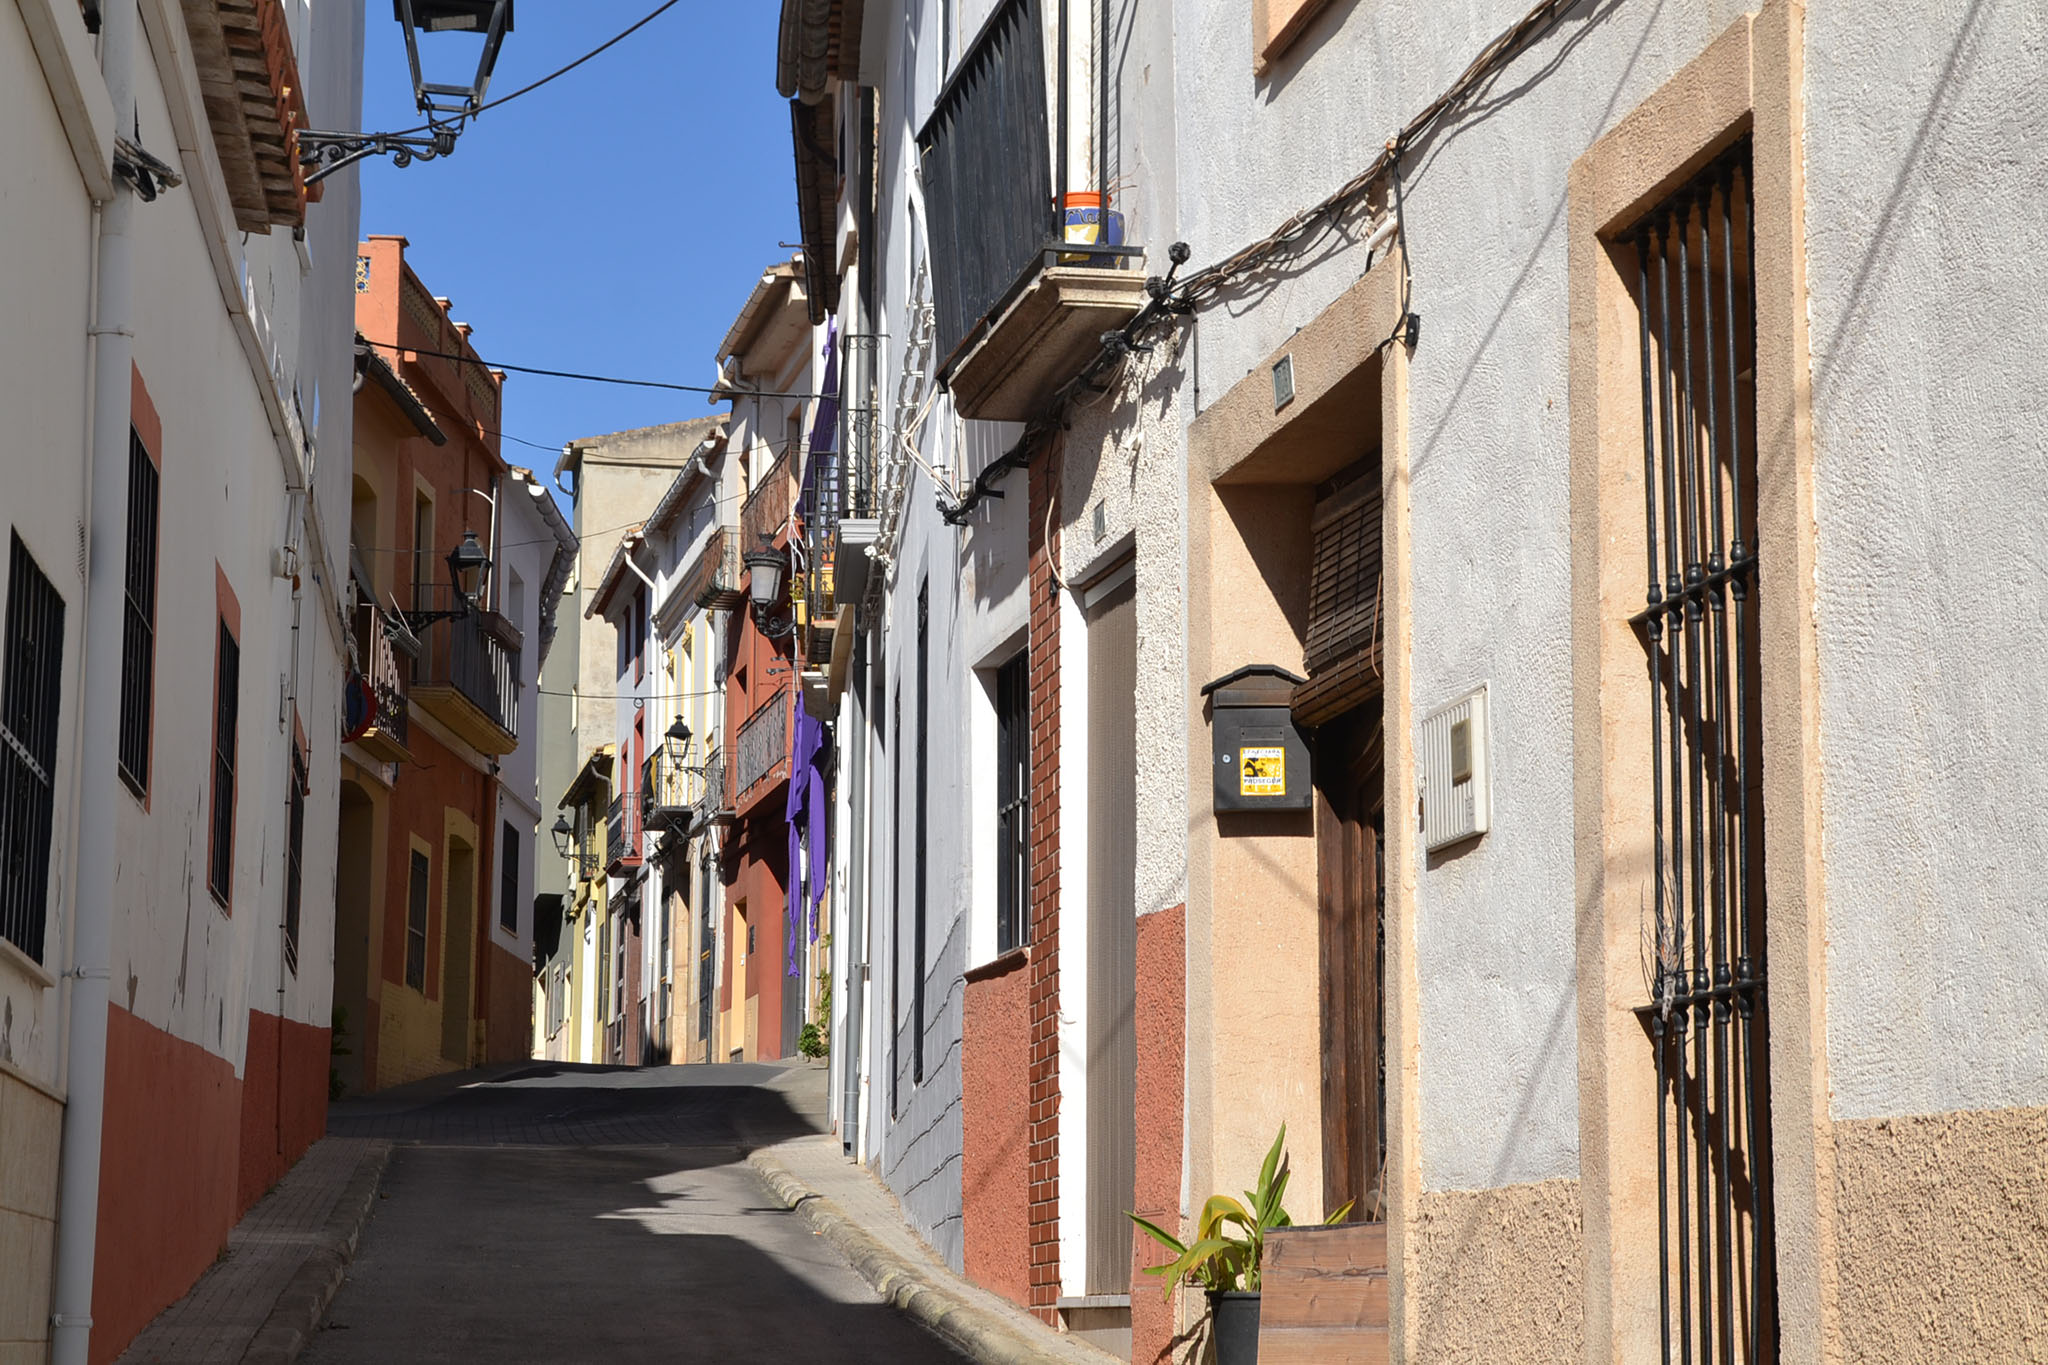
(428, 975)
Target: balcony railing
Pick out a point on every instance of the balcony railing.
(668, 791)
(468, 677)
(767, 508)
(985, 158)
(862, 420)
(762, 746)
(713, 579)
(712, 807)
(1017, 311)
(385, 675)
(622, 832)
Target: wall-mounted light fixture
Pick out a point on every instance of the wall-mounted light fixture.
(765, 569)
(676, 743)
(564, 833)
(467, 564)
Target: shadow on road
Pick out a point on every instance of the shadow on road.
(615, 1254)
(565, 1104)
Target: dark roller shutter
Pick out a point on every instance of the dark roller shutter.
(1346, 642)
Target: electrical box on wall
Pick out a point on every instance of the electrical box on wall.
(1261, 757)
(1455, 790)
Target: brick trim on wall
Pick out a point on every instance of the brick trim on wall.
(1044, 990)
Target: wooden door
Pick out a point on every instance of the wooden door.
(1350, 796)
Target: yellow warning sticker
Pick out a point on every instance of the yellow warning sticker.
(1262, 772)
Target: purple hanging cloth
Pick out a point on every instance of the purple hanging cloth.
(810, 749)
(821, 477)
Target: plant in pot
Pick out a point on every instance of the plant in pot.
(1223, 1258)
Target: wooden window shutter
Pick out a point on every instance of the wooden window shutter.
(1345, 643)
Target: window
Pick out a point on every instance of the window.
(138, 622)
(924, 688)
(416, 923)
(508, 880)
(1707, 1013)
(294, 849)
(220, 861)
(1013, 805)
(32, 654)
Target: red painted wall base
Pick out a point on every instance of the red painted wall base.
(185, 1149)
(995, 1122)
(1161, 1088)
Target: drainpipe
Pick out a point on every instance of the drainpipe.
(113, 336)
(1077, 144)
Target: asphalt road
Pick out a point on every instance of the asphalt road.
(583, 1214)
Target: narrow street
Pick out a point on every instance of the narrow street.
(573, 1213)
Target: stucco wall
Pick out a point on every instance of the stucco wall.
(1497, 1275)
(1930, 470)
(1974, 1185)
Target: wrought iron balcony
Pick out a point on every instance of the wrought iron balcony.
(1018, 312)
(712, 806)
(761, 750)
(468, 675)
(384, 674)
(622, 833)
(668, 791)
(768, 506)
(713, 578)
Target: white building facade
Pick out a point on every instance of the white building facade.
(180, 345)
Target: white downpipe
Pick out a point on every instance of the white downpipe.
(78, 1200)
(1077, 120)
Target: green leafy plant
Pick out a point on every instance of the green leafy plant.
(810, 1041)
(1221, 1259)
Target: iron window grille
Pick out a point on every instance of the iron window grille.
(294, 850)
(220, 861)
(508, 880)
(1013, 805)
(1707, 1016)
(33, 660)
(138, 623)
(416, 923)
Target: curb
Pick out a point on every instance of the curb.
(297, 1313)
(978, 1334)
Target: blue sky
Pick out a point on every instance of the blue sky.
(611, 222)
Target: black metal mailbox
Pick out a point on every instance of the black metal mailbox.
(1262, 759)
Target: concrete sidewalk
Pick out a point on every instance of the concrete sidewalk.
(261, 1301)
(862, 1221)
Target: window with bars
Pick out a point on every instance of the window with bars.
(294, 853)
(1707, 1017)
(1013, 805)
(220, 859)
(138, 621)
(31, 665)
(416, 922)
(508, 880)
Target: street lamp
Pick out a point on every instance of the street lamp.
(765, 567)
(467, 563)
(447, 107)
(492, 18)
(677, 742)
(564, 832)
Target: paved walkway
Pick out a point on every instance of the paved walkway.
(263, 1296)
(858, 1214)
(543, 1212)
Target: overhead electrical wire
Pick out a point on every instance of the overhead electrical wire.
(723, 392)
(1167, 300)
